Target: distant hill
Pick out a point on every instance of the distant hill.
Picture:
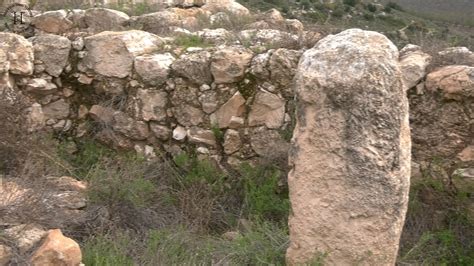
(461, 11)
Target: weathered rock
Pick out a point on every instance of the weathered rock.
(457, 56)
(220, 19)
(282, 66)
(259, 66)
(413, 65)
(455, 82)
(228, 65)
(201, 136)
(55, 22)
(234, 107)
(53, 50)
(102, 114)
(270, 38)
(40, 86)
(188, 115)
(56, 110)
(57, 250)
(135, 130)
(195, 67)
(268, 143)
(153, 104)
(154, 69)
(352, 136)
(112, 54)
(25, 236)
(161, 132)
(267, 109)
(232, 141)
(103, 19)
(19, 53)
(6, 255)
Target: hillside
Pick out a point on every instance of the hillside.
(459, 11)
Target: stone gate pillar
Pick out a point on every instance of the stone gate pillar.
(350, 153)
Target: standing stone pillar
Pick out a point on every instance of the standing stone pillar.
(350, 153)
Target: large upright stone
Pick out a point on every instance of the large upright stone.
(350, 153)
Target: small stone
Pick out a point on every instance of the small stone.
(204, 87)
(203, 150)
(84, 79)
(231, 235)
(179, 133)
(232, 141)
(82, 112)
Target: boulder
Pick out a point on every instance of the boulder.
(55, 22)
(195, 67)
(19, 53)
(53, 51)
(230, 6)
(159, 22)
(455, 82)
(153, 104)
(267, 109)
(24, 236)
(57, 250)
(112, 54)
(234, 107)
(350, 153)
(56, 110)
(228, 65)
(154, 69)
(103, 19)
(413, 65)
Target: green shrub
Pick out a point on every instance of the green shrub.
(186, 41)
(120, 181)
(371, 7)
(107, 251)
(351, 2)
(262, 197)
